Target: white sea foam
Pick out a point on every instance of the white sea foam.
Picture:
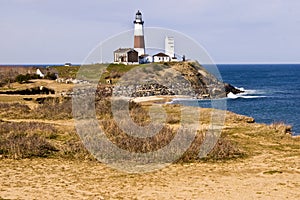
(254, 92)
(253, 97)
(246, 92)
(230, 95)
(244, 95)
(242, 89)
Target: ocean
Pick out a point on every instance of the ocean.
(272, 92)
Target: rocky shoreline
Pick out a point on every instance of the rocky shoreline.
(155, 89)
(182, 78)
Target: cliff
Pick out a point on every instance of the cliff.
(178, 78)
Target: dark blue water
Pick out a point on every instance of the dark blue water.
(272, 92)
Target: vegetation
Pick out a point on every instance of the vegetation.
(23, 78)
(9, 74)
(66, 71)
(50, 109)
(50, 76)
(20, 75)
(39, 129)
(21, 139)
(271, 172)
(44, 127)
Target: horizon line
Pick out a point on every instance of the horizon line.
(219, 63)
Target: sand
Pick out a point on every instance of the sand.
(147, 99)
(258, 177)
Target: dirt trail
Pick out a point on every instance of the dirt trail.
(54, 122)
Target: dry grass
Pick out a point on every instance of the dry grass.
(34, 139)
(51, 108)
(26, 140)
(13, 110)
(10, 98)
(58, 87)
(68, 145)
(240, 137)
(281, 128)
(225, 149)
(137, 145)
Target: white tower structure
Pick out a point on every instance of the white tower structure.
(139, 41)
(170, 47)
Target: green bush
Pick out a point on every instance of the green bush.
(21, 78)
(50, 76)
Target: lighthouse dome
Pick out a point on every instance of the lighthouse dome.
(138, 18)
(139, 13)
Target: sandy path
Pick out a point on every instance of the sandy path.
(61, 179)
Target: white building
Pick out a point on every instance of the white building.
(43, 72)
(40, 73)
(161, 57)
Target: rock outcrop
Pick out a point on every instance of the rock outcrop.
(178, 78)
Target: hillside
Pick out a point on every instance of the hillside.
(176, 78)
(154, 79)
(42, 155)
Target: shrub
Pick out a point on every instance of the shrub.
(50, 76)
(13, 110)
(225, 149)
(53, 108)
(138, 145)
(18, 145)
(22, 78)
(20, 140)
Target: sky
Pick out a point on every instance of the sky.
(231, 31)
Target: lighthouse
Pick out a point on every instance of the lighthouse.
(139, 41)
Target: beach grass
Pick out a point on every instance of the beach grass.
(49, 123)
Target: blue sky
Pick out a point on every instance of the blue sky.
(232, 31)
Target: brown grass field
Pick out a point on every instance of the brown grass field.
(42, 157)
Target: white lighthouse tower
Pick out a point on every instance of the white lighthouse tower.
(139, 41)
(170, 46)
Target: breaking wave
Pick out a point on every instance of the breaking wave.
(247, 94)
